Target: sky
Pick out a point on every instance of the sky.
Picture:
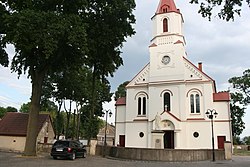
(223, 48)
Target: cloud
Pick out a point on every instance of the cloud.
(14, 91)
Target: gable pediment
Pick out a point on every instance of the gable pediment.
(194, 73)
(141, 78)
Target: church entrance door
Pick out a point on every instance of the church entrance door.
(169, 139)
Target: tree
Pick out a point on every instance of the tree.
(242, 85)
(3, 55)
(50, 36)
(239, 99)
(246, 140)
(237, 140)
(228, 8)
(90, 125)
(121, 90)
(11, 109)
(109, 25)
(47, 35)
(74, 85)
(2, 112)
(25, 107)
(237, 113)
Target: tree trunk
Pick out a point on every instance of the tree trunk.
(58, 132)
(74, 125)
(93, 93)
(68, 113)
(78, 123)
(32, 129)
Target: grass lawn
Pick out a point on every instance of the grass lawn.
(241, 152)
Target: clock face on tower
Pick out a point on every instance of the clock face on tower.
(165, 60)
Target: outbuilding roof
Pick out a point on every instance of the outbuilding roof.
(221, 96)
(121, 101)
(15, 124)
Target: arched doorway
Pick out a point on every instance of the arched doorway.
(168, 139)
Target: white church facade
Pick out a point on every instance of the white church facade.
(167, 100)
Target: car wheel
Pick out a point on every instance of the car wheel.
(73, 156)
(54, 157)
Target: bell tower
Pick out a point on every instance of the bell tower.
(167, 47)
(167, 21)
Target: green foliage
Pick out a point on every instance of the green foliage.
(4, 61)
(48, 106)
(237, 140)
(44, 40)
(239, 99)
(237, 113)
(227, 8)
(47, 35)
(242, 86)
(25, 107)
(3, 110)
(11, 109)
(246, 140)
(55, 39)
(121, 90)
(241, 152)
(109, 23)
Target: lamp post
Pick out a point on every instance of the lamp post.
(106, 113)
(211, 114)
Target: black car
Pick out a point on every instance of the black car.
(68, 149)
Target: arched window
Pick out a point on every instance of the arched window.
(165, 25)
(165, 8)
(142, 105)
(166, 102)
(139, 106)
(195, 103)
(192, 103)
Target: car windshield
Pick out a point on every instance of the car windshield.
(61, 143)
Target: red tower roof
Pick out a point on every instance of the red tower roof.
(167, 6)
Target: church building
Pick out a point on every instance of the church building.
(168, 101)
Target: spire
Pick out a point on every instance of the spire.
(167, 6)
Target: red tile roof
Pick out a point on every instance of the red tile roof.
(121, 101)
(221, 96)
(179, 41)
(153, 45)
(15, 124)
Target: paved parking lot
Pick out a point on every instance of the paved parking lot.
(44, 160)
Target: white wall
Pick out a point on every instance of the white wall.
(175, 25)
(46, 131)
(132, 138)
(14, 143)
(120, 122)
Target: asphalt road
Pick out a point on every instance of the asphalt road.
(44, 160)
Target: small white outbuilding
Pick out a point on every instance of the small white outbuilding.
(13, 130)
